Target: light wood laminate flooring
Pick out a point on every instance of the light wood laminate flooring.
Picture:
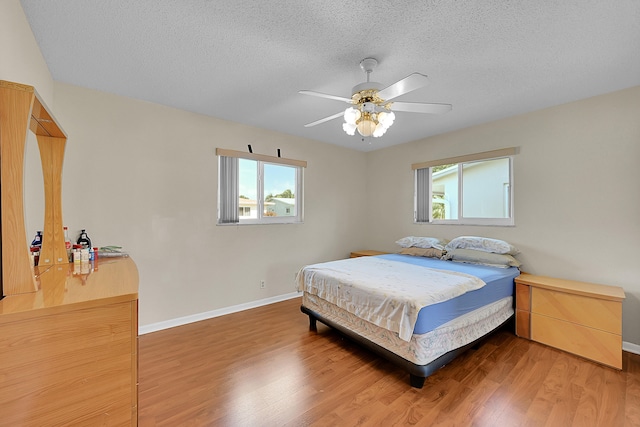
(264, 367)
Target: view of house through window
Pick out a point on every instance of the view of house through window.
(483, 186)
(440, 206)
(275, 198)
(474, 192)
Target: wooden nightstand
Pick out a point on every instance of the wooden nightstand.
(577, 317)
(357, 254)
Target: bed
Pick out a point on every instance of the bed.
(418, 312)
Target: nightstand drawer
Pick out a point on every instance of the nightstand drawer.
(592, 312)
(594, 344)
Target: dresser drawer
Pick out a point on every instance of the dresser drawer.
(594, 344)
(596, 313)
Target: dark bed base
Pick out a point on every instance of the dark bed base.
(417, 373)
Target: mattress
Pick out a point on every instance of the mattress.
(406, 294)
(499, 285)
(422, 348)
(384, 292)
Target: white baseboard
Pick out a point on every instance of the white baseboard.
(214, 313)
(630, 347)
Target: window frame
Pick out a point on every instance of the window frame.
(419, 215)
(261, 218)
(298, 165)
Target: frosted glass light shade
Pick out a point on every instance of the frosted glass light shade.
(351, 115)
(379, 131)
(366, 127)
(349, 128)
(386, 118)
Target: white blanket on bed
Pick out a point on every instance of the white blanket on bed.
(389, 294)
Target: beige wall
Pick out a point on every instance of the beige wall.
(577, 192)
(21, 60)
(144, 176)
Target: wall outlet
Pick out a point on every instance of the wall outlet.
(262, 284)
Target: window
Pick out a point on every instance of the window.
(258, 189)
(472, 190)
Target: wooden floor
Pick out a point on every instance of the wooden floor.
(263, 367)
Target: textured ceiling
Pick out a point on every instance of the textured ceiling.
(245, 61)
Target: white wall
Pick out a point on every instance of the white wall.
(144, 176)
(587, 228)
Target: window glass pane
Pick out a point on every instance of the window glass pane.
(279, 190)
(485, 189)
(444, 192)
(248, 186)
(259, 192)
(477, 192)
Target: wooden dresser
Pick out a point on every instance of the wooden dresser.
(68, 332)
(577, 317)
(69, 351)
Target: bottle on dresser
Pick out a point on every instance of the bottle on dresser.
(84, 240)
(36, 245)
(67, 244)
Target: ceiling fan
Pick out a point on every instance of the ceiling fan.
(373, 107)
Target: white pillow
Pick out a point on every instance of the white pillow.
(473, 256)
(422, 242)
(482, 244)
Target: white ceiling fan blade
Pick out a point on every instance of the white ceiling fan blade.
(420, 107)
(324, 95)
(326, 119)
(406, 85)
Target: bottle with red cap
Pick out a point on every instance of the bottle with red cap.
(67, 243)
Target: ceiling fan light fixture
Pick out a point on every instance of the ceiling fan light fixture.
(367, 123)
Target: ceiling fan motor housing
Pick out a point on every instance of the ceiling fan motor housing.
(366, 86)
(366, 92)
(369, 107)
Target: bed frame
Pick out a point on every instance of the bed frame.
(417, 373)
